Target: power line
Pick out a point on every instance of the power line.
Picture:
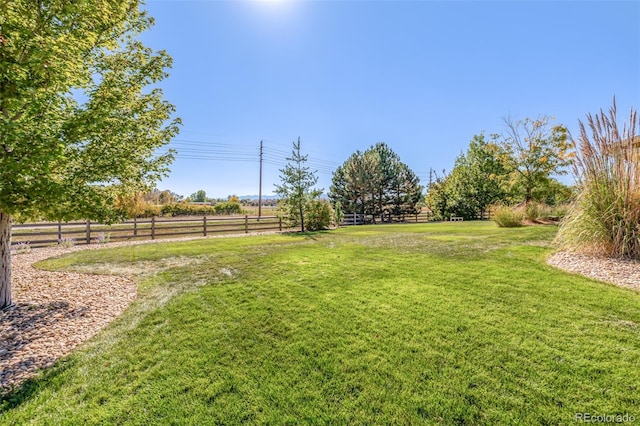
(218, 151)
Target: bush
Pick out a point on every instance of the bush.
(532, 211)
(228, 207)
(605, 217)
(186, 209)
(318, 215)
(338, 214)
(151, 210)
(22, 248)
(559, 211)
(103, 238)
(66, 242)
(508, 217)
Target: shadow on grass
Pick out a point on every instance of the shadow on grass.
(13, 398)
(308, 235)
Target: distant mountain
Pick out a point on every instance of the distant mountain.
(255, 197)
(266, 197)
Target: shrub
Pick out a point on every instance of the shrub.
(508, 217)
(22, 247)
(103, 238)
(228, 207)
(66, 242)
(318, 215)
(559, 211)
(338, 214)
(605, 217)
(532, 211)
(151, 210)
(186, 209)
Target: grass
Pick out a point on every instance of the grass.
(508, 217)
(604, 218)
(453, 323)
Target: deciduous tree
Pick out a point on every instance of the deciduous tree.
(532, 151)
(200, 196)
(80, 118)
(439, 198)
(476, 179)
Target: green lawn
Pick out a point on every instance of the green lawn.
(453, 323)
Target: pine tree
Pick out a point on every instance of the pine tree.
(296, 188)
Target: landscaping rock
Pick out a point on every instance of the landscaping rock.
(51, 311)
(621, 272)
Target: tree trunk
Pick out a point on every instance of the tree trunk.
(528, 196)
(5, 260)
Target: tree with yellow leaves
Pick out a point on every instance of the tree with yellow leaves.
(532, 151)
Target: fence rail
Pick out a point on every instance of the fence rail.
(422, 217)
(87, 232)
(362, 219)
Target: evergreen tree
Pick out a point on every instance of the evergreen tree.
(296, 188)
(377, 183)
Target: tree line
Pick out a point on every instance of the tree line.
(518, 166)
(374, 183)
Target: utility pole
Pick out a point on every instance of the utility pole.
(260, 190)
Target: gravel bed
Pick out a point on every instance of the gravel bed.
(621, 272)
(54, 312)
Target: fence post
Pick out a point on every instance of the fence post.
(153, 227)
(135, 226)
(246, 224)
(88, 231)
(59, 232)
(280, 223)
(204, 225)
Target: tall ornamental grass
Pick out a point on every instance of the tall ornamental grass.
(508, 217)
(605, 219)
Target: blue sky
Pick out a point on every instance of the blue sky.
(422, 76)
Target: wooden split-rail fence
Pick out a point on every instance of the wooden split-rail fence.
(88, 232)
(43, 234)
(422, 217)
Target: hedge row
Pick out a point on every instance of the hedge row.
(185, 209)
